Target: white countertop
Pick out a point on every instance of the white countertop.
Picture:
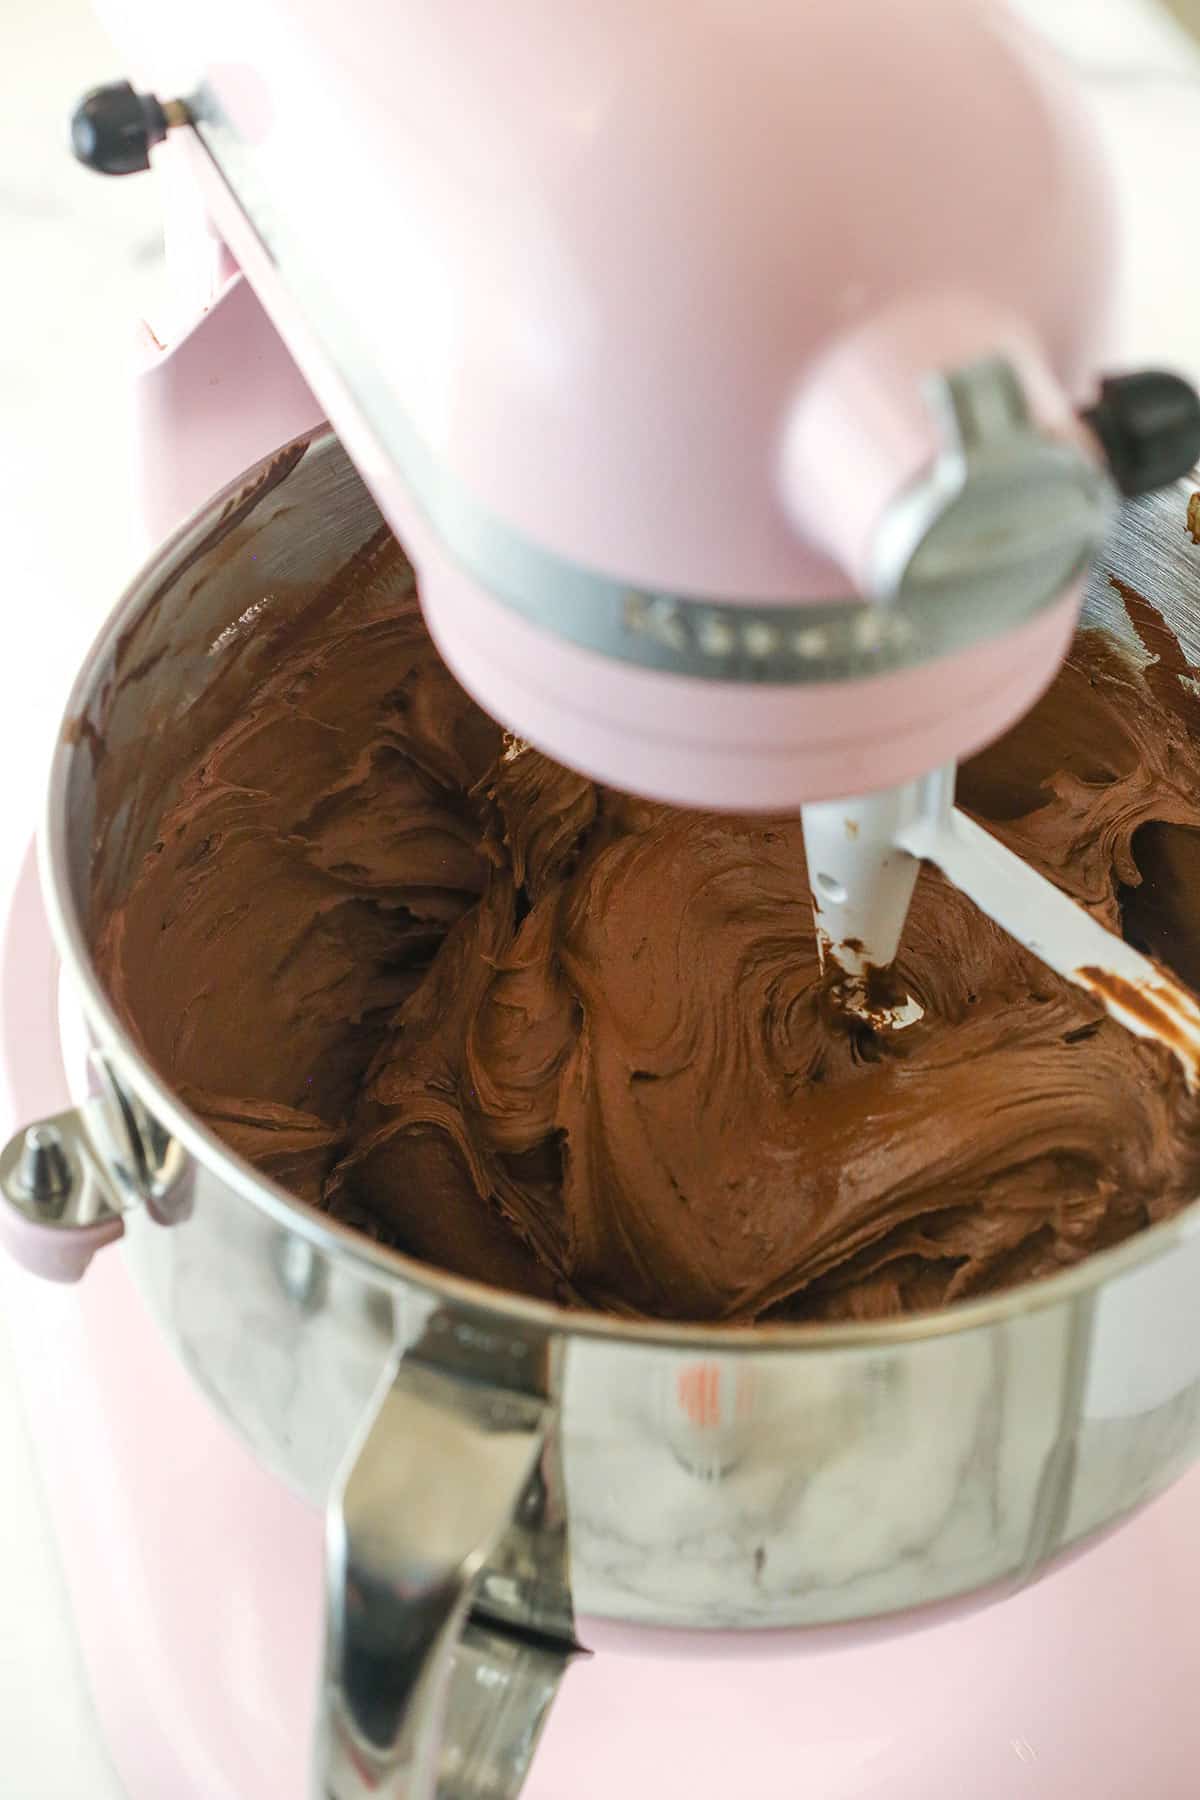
(81, 257)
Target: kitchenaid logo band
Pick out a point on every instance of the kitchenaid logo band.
(775, 641)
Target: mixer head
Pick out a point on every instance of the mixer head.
(631, 348)
(725, 401)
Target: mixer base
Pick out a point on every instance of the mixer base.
(196, 1583)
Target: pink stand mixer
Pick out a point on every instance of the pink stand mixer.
(733, 384)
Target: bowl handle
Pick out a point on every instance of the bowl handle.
(448, 1627)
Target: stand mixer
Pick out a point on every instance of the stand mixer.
(726, 481)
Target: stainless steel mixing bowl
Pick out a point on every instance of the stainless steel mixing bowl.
(496, 1469)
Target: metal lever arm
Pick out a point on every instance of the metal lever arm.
(432, 1487)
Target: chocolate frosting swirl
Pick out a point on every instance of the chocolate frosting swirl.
(578, 1045)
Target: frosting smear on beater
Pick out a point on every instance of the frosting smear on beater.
(578, 1045)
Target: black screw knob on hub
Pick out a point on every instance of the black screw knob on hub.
(114, 128)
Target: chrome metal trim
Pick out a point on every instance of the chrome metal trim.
(433, 1485)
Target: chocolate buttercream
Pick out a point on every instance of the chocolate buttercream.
(576, 1044)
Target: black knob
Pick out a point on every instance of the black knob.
(1149, 429)
(113, 129)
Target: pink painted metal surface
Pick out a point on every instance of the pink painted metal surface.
(212, 402)
(605, 293)
(52, 1254)
(595, 256)
(694, 743)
